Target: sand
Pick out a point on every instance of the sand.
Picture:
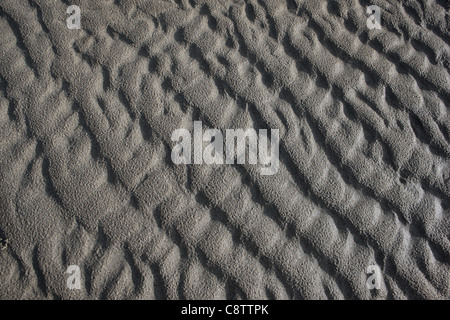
(86, 176)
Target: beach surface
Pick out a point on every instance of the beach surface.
(357, 209)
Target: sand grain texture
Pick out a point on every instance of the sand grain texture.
(86, 177)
